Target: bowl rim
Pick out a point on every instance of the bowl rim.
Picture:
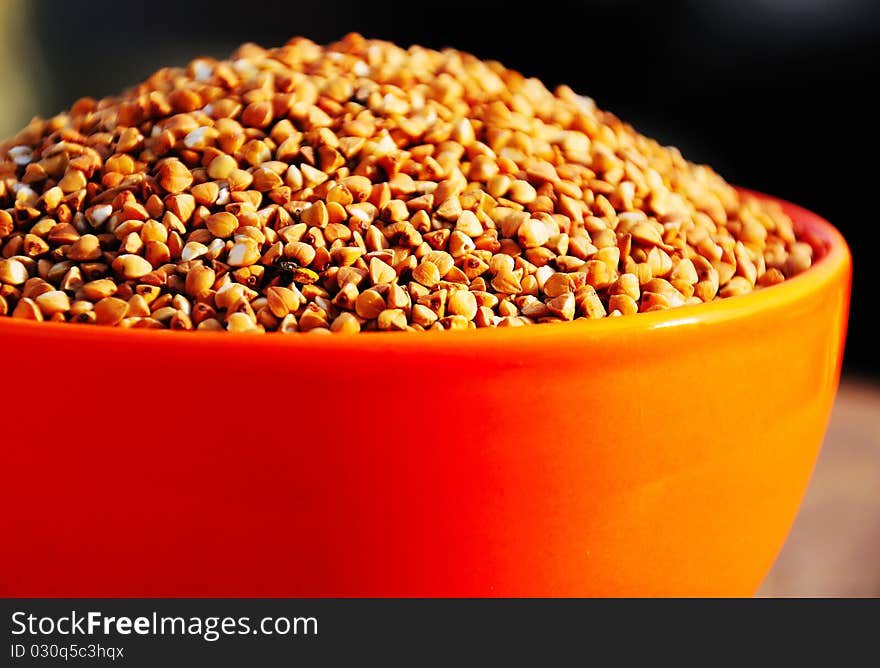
(835, 258)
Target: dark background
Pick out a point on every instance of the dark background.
(772, 93)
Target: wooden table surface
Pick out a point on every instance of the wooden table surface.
(834, 546)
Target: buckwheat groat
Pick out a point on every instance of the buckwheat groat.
(358, 187)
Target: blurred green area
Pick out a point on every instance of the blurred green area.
(21, 66)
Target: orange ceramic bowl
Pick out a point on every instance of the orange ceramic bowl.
(655, 454)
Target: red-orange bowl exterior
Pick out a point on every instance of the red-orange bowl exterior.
(655, 454)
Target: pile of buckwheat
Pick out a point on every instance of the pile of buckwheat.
(358, 187)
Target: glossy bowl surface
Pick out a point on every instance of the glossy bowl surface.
(657, 454)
